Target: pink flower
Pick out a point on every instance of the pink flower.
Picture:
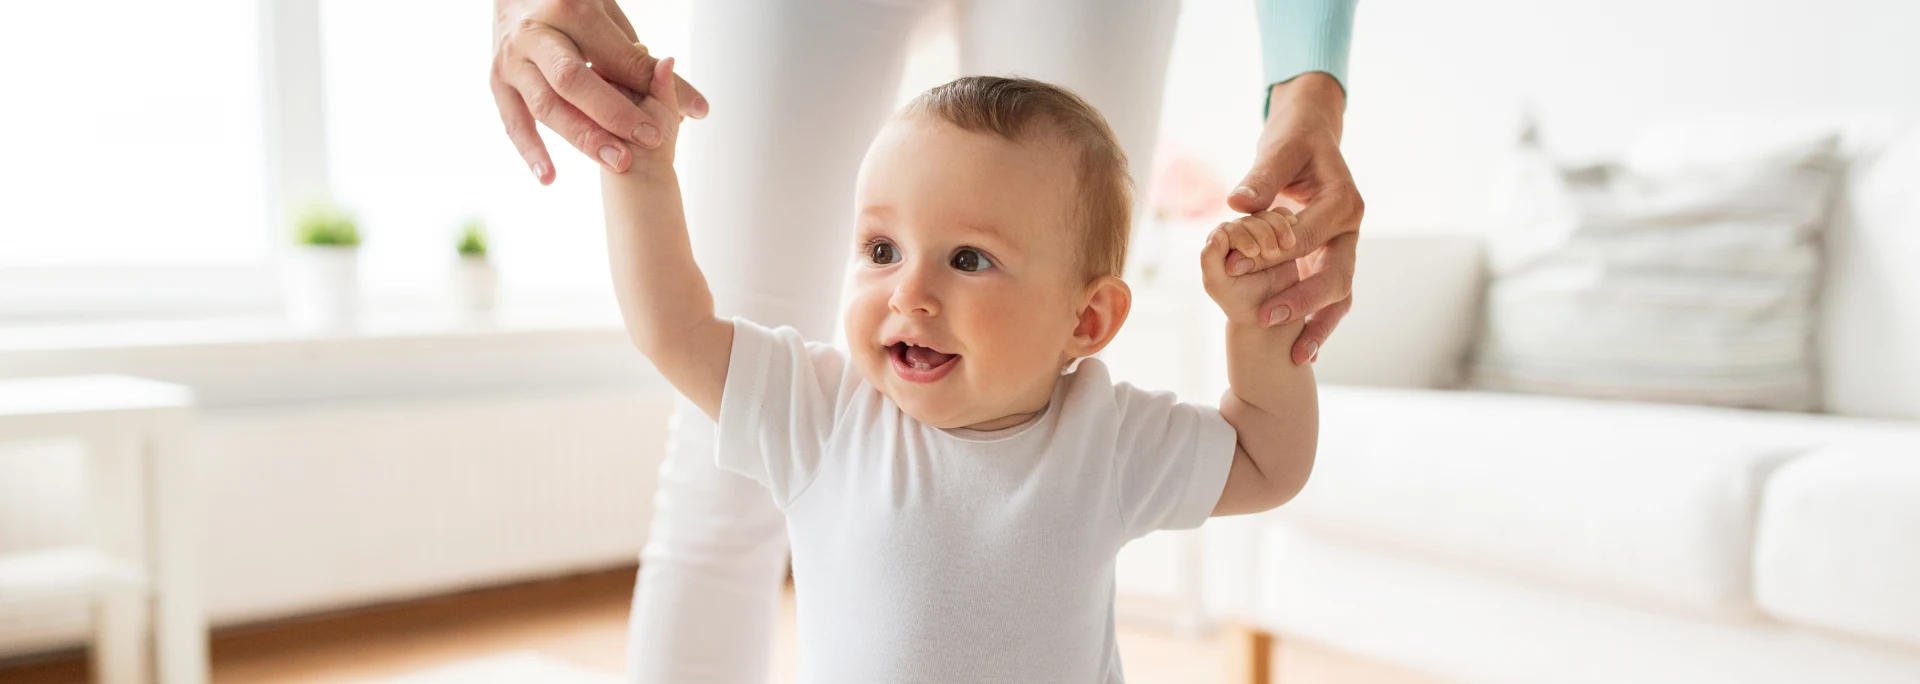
(1185, 188)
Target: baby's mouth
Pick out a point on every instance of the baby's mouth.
(919, 364)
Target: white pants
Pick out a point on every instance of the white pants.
(799, 89)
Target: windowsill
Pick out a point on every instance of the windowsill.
(392, 353)
(529, 317)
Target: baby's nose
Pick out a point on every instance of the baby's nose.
(913, 296)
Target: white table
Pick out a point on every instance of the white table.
(142, 571)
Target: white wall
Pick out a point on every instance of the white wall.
(1436, 87)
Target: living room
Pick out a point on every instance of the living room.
(1629, 390)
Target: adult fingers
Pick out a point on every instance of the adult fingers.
(1334, 211)
(521, 129)
(620, 19)
(565, 69)
(1306, 349)
(620, 60)
(573, 125)
(1331, 283)
(692, 102)
(615, 53)
(1274, 167)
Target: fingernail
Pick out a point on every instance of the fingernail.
(540, 171)
(1244, 191)
(699, 107)
(647, 134)
(1239, 267)
(1287, 240)
(611, 156)
(1313, 352)
(1278, 315)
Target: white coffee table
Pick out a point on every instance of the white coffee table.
(142, 571)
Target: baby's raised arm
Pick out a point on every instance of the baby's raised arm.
(1271, 403)
(663, 296)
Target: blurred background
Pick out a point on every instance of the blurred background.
(1630, 391)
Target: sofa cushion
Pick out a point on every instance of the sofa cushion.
(1461, 625)
(1839, 540)
(1638, 500)
(1687, 285)
(1870, 297)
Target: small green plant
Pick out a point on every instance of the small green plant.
(323, 224)
(473, 239)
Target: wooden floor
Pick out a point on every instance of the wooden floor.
(582, 620)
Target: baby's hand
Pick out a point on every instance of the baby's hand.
(1241, 269)
(663, 105)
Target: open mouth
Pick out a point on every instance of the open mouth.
(915, 363)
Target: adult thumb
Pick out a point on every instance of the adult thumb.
(1255, 192)
(1273, 168)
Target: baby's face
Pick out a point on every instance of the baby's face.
(966, 280)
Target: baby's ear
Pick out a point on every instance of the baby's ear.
(1108, 302)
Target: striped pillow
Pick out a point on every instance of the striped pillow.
(1693, 285)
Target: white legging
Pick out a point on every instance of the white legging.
(800, 87)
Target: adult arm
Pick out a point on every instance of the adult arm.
(556, 62)
(1298, 165)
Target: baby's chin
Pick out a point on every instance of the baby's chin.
(932, 406)
(939, 405)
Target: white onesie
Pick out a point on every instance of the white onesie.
(930, 555)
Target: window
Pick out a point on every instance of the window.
(133, 146)
(415, 146)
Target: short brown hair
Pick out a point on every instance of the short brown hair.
(1019, 109)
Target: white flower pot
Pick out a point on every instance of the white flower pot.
(476, 284)
(322, 285)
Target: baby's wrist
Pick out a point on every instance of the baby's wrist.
(651, 164)
(1238, 313)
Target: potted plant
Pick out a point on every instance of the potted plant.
(475, 280)
(323, 269)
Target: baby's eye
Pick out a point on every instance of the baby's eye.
(971, 261)
(882, 253)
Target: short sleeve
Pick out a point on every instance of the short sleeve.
(1172, 460)
(778, 408)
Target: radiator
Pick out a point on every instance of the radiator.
(316, 507)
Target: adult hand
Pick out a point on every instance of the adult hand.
(557, 61)
(1299, 166)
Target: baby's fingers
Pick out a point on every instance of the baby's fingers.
(1216, 256)
(1282, 221)
(1262, 239)
(662, 110)
(663, 86)
(1246, 245)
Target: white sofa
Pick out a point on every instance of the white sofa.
(1486, 537)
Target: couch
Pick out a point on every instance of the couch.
(1488, 537)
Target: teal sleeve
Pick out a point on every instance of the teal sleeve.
(1298, 36)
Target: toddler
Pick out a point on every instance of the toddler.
(956, 487)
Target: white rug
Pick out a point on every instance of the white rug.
(519, 667)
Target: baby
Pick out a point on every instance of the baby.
(956, 487)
